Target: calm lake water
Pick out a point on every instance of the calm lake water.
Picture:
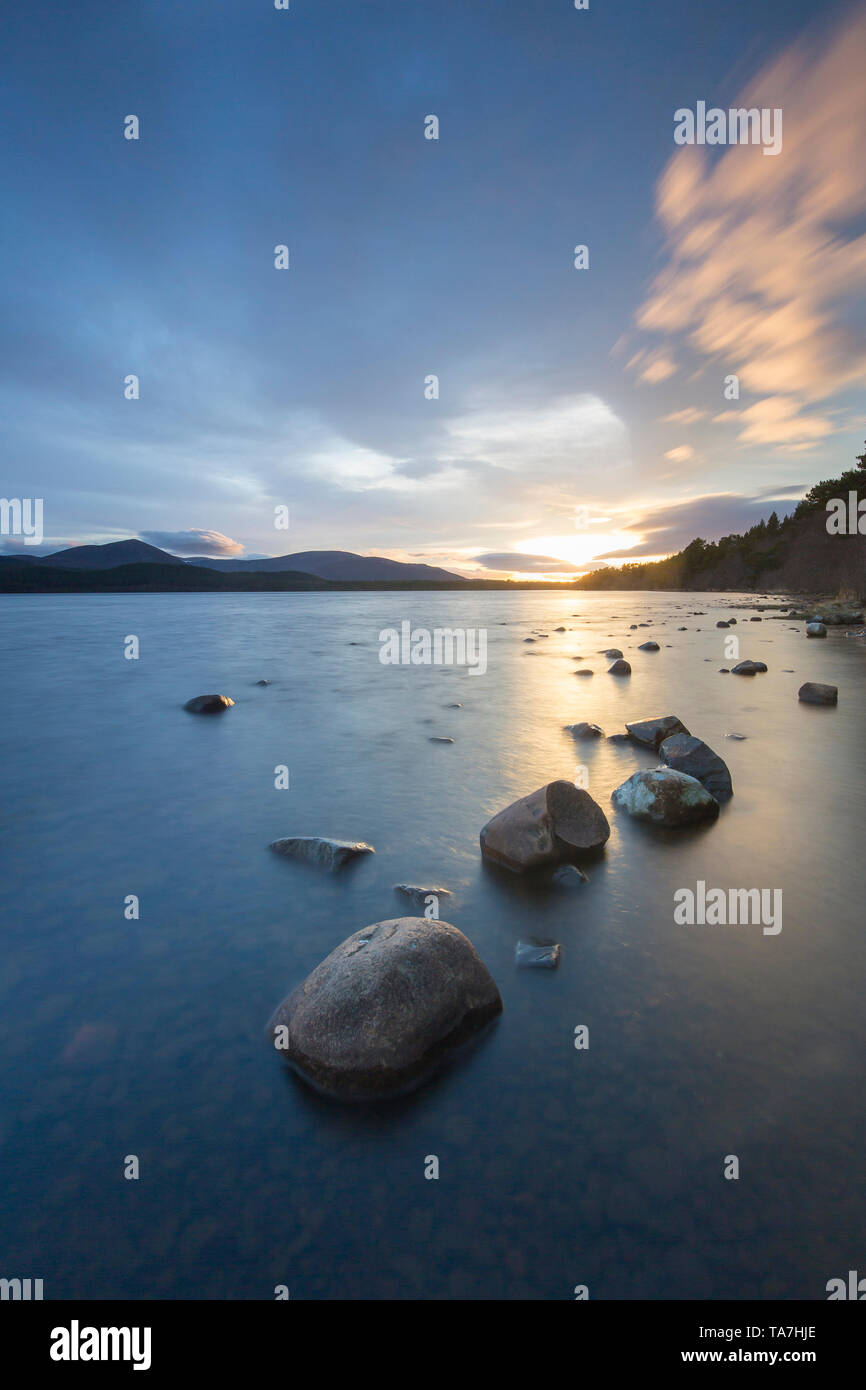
(558, 1167)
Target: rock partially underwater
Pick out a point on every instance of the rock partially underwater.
(385, 1008)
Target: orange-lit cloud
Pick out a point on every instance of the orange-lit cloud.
(765, 254)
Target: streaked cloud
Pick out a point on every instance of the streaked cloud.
(513, 560)
(766, 256)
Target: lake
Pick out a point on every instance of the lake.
(558, 1167)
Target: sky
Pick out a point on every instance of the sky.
(581, 415)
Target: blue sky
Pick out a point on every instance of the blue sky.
(580, 413)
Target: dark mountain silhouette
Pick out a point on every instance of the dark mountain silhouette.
(340, 565)
(107, 557)
(18, 576)
(330, 564)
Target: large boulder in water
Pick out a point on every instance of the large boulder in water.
(814, 693)
(653, 732)
(619, 668)
(546, 827)
(208, 704)
(665, 797)
(692, 755)
(383, 1009)
(327, 854)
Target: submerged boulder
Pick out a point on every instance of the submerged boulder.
(653, 732)
(385, 1008)
(814, 693)
(748, 668)
(546, 827)
(418, 896)
(569, 876)
(537, 955)
(208, 704)
(665, 797)
(692, 755)
(327, 854)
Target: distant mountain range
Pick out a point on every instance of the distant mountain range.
(338, 565)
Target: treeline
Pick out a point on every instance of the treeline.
(791, 551)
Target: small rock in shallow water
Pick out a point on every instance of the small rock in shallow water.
(816, 630)
(584, 730)
(262, 682)
(440, 738)
(327, 854)
(739, 737)
(584, 671)
(619, 738)
(648, 647)
(418, 896)
(814, 693)
(748, 668)
(619, 668)
(722, 624)
(569, 876)
(537, 955)
(208, 704)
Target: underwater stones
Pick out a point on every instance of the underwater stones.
(537, 955)
(324, 853)
(418, 896)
